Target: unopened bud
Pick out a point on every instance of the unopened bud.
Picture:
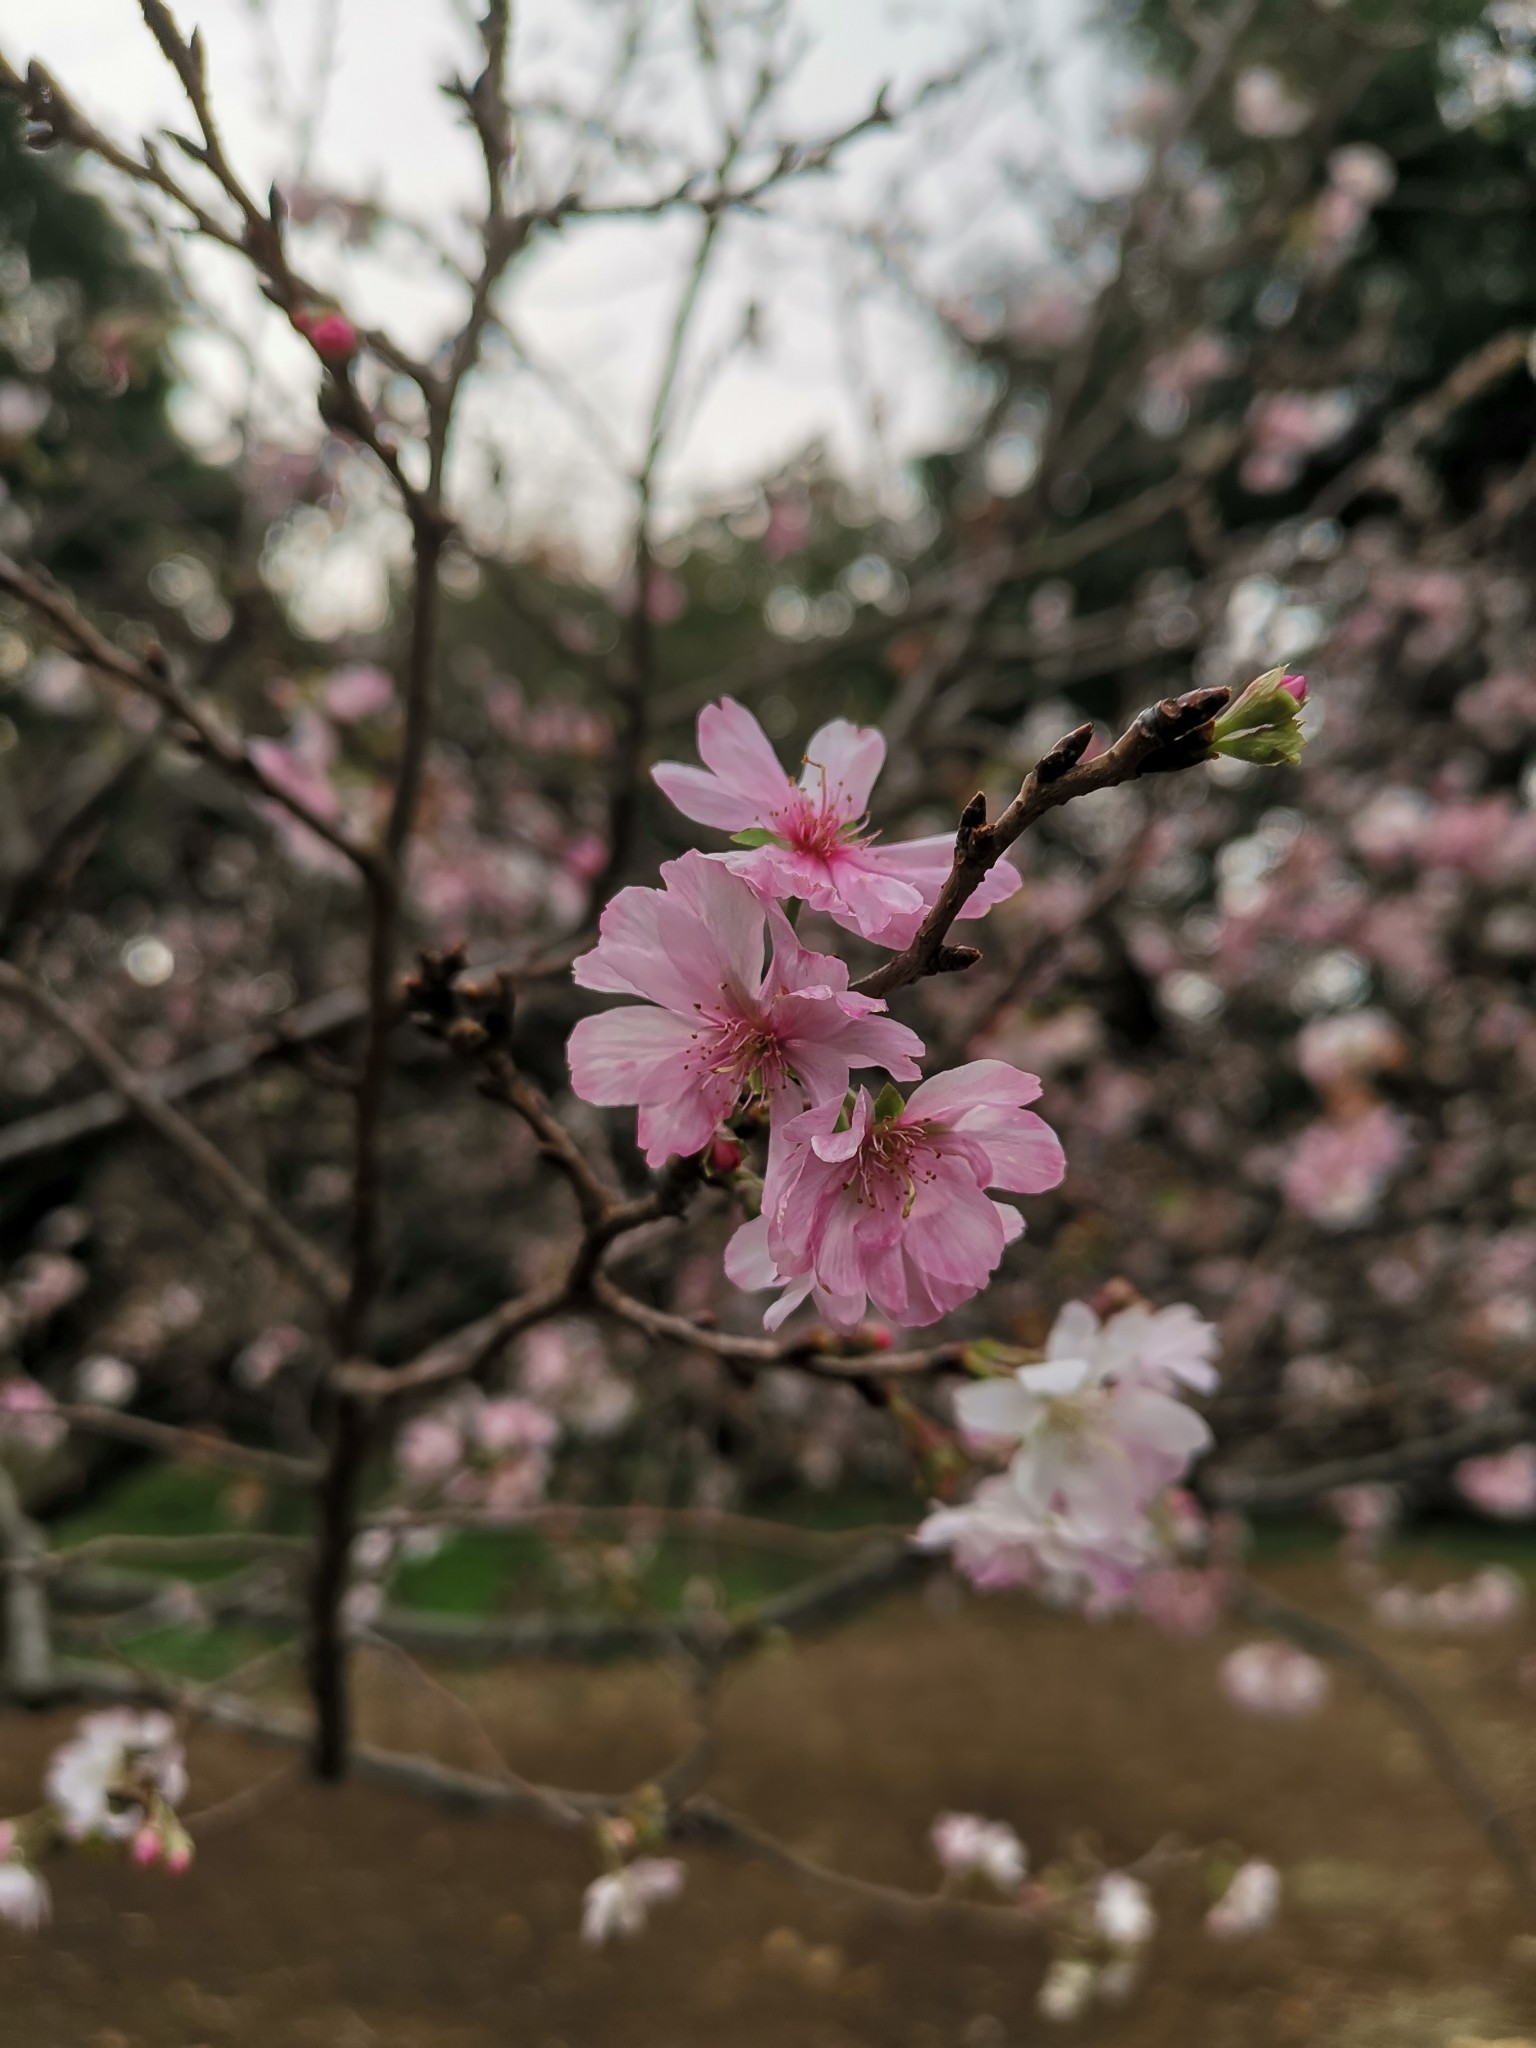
(147, 1846)
(725, 1155)
(1262, 725)
(330, 334)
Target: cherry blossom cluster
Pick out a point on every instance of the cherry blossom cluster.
(119, 1779)
(884, 1198)
(1097, 1432)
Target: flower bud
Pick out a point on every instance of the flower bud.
(725, 1155)
(1261, 725)
(146, 1847)
(329, 333)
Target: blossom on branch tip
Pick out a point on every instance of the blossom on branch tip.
(810, 839)
(895, 1208)
(723, 1031)
(620, 1901)
(1122, 1910)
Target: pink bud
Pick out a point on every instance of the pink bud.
(725, 1155)
(331, 335)
(1295, 686)
(146, 1847)
(873, 1337)
(7, 1841)
(178, 1858)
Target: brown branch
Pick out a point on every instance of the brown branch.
(1471, 1439)
(151, 674)
(1167, 734)
(285, 1243)
(193, 1446)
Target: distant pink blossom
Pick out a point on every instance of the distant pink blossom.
(1489, 1599)
(814, 841)
(895, 1208)
(1340, 1167)
(1274, 1678)
(1503, 1485)
(358, 691)
(24, 1899)
(1264, 104)
(620, 1902)
(1186, 1602)
(29, 1417)
(1349, 1047)
(723, 1030)
(967, 1845)
(1249, 1903)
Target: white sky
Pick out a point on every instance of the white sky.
(596, 307)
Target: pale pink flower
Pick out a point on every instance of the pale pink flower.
(1249, 1903)
(1275, 1678)
(1264, 104)
(1340, 1167)
(723, 1031)
(895, 1207)
(1331, 1051)
(998, 1542)
(357, 691)
(24, 1899)
(1068, 1989)
(29, 1417)
(1503, 1485)
(428, 1448)
(1490, 1599)
(967, 1845)
(1122, 1910)
(809, 839)
(101, 1782)
(1184, 1601)
(620, 1902)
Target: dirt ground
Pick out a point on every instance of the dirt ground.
(360, 1919)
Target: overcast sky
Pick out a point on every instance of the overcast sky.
(838, 360)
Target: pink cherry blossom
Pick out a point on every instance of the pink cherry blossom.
(723, 1031)
(357, 691)
(895, 1207)
(815, 845)
(24, 1899)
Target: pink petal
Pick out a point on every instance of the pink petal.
(841, 764)
(614, 1057)
(733, 743)
(704, 797)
